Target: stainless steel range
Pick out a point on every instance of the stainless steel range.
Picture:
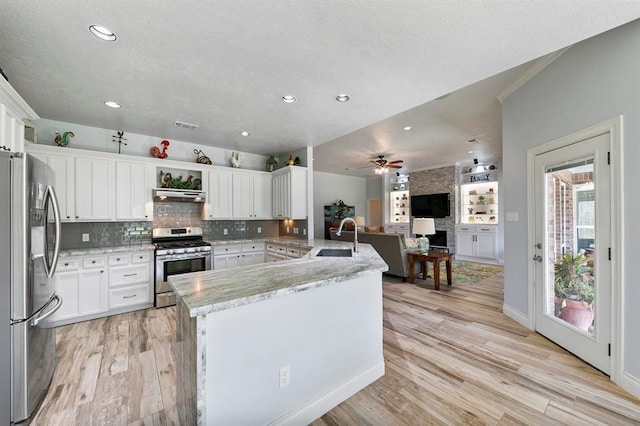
(178, 251)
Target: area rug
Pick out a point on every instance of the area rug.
(467, 272)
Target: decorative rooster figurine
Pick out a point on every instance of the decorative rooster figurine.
(155, 151)
(64, 139)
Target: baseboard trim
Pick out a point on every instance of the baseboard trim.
(325, 401)
(630, 383)
(478, 260)
(516, 315)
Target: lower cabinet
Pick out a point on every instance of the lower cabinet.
(94, 286)
(227, 256)
(478, 242)
(253, 254)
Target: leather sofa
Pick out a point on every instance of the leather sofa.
(391, 247)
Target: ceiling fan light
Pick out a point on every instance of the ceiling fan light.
(342, 97)
(102, 33)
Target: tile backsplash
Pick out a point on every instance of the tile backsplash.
(174, 215)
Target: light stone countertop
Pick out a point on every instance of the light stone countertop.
(275, 240)
(211, 291)
(105, 250)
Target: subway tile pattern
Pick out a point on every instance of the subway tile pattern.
(105, 234)
(174, 215)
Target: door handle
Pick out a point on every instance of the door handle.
(50, 196)
(537, 258)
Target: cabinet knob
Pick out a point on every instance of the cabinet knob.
(66, 264)
(118, 259)
(68, 217)
(77, 217)
(102, 272)
(93, 261)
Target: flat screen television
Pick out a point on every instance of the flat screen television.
(431, 205)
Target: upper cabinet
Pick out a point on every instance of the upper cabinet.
(218, 184)
(64, 169)
(13, 110)
(95, 189)
(252, 195)
(133, 191)
(290, 193)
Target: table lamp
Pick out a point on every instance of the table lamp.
(424, 227)
(359, 221)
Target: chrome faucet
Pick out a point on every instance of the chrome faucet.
(355, 234)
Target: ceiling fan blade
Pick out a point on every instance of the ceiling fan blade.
(397, 161)
(393, 166)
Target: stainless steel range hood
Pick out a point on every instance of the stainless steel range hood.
(166, 194)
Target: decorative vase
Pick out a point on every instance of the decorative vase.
(577, 313)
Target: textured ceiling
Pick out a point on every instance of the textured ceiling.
(225, 65)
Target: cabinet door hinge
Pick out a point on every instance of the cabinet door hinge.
(609, 349)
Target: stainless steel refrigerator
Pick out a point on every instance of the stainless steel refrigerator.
(29, 247)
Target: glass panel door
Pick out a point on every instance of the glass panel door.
(571, 264)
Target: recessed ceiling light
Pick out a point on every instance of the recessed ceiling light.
(244, 133)
(469, 152)
(112, 104)
(407, 128)
(342, 97)
(289, 99)
(102, 33)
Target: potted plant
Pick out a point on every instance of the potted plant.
(574, 290)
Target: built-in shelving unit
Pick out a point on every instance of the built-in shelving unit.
(399, 203)
(480, 203)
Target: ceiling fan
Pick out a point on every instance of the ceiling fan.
(382, 166)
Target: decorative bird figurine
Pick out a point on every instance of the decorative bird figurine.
(64, 139)
(155, 151)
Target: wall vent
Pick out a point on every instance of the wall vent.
(185, 125)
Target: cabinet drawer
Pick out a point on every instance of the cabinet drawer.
(466, 229)
(68, 264)
(128, 275)
(248, 248)
(281, 250)
(271, 248)
(131, 295)
(89, 262)
(119, 259)
(293, 252)
(485, 229)
(140, 257)
(227, 249)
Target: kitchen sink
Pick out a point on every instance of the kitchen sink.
(335, 253)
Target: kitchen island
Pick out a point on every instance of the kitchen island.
(279, 342)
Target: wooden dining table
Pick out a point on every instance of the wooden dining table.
(435, 257)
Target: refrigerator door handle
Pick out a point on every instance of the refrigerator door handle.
(50, 269)
(39, 318)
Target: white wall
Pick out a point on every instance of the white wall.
(98, 139)
(335, 339)
(329, 188)
(594, 81)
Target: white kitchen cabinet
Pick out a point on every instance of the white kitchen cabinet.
(92, 291)
(227, 256)
(130, 280)
(133, 192)
(13, 109)
(64, 169)
(252, 195)
(95, 189)
(218, 184)
(94, 286)
(253, 254)
(477, 242)
(290, 193)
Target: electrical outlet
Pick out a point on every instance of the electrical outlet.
(85, 238)
(285, 376)
(259, 230)
(225, 231)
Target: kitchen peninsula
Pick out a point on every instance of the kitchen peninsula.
(279, 342)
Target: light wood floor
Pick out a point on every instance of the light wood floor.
(451, 357)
